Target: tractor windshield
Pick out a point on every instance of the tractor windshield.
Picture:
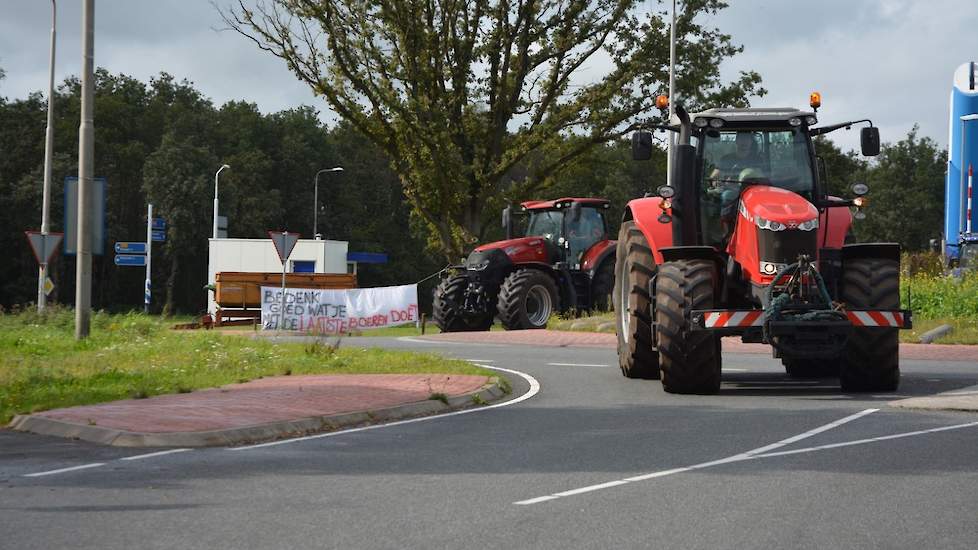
(545, 223)
(733, 158)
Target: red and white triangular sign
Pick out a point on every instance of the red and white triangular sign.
(43, 244)
(284, 243)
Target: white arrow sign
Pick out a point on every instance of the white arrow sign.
(43, 244)
(284, 243)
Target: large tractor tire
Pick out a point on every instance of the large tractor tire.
(689, 360)
(447, 308)
(634, 268)
(603, 286)
(527, 299)
(872, 356)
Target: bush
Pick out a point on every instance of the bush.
(937, 296)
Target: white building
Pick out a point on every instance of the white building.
(259, 256)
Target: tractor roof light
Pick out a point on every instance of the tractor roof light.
(666, 191)
(860, 202)
(811, 120)
(794, 121)
(662, 101)
(701, 122)
(815, 100)
(859, 189)
(716, 123)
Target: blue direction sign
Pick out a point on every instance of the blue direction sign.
(159, 236)
(130, 260)
(159, 224)
(130, 248)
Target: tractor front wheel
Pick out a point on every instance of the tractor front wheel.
(872, 356)
(634, 268)
(689, 360)
(447, 308)
(527, 299)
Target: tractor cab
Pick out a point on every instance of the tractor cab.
(570, 227)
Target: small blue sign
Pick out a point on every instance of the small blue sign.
(130, 260)
(159, 224)
(159, 236)
(130, 248)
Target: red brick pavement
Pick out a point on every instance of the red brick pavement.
(267, 400)
(556, 338)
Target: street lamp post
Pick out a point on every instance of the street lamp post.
(42, 272)
(219, 170)
(315, 199)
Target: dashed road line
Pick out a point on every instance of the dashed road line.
(63, 470)
(153, 455)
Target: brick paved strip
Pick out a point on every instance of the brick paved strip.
(261, 409)
(557, 338)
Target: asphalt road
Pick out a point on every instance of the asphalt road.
(591, 461)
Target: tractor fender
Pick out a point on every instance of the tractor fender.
(884, 251)
(645, 213)
(833, 226)
(595, 256)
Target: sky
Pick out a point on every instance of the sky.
(888, 60)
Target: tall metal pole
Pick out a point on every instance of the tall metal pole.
(672, 91)
(315, 199)
(218, 173)
(86, 161)
(42, 272)
(147, 294)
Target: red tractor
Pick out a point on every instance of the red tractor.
(565, 262)
(748, 242)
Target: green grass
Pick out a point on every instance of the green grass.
(602, 322)
(133, 355)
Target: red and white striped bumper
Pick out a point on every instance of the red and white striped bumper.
(724, 319)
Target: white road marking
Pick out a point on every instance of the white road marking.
(534, 389)
(735, 370)
(151, 455)
(810, 433)
(749, 455)
(577, 365)
(959, 393)
(479, 360)
(868, 440)
(63, 470)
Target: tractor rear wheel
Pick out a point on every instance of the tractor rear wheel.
(447, 308)
(527, 299)
(634, 268)
(602, 287)
(689, 360)
(872, 356)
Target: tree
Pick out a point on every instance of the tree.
(906, 197)
(463, 95)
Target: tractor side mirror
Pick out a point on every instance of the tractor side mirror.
(508, 221)
(641, 145)
(575, 211)
(869, 140)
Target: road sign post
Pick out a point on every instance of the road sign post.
(147, 295)
(43, 244)
(284, 244)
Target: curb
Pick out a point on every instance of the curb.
(261, 432)
(962, 400)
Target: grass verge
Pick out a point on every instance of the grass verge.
(132, 355)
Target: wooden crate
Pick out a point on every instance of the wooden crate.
(235, 289)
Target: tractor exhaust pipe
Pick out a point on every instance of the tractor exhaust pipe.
(686, 208)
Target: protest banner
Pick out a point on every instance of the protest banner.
(337, 311)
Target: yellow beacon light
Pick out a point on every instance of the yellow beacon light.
(815, 100)
(662, 101)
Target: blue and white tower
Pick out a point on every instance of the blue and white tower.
(962, 146)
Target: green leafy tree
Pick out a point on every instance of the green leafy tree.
(906, 197)
(463, 97)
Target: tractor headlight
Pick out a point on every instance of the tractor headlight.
(770, 225)
(809, 225)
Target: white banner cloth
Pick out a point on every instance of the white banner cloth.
(338, 311)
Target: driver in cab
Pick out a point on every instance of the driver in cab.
(744, 162)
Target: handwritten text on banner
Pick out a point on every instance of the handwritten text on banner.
(338, 311)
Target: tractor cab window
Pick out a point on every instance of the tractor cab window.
(733, 158)
(583, 233)
(545, 223)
